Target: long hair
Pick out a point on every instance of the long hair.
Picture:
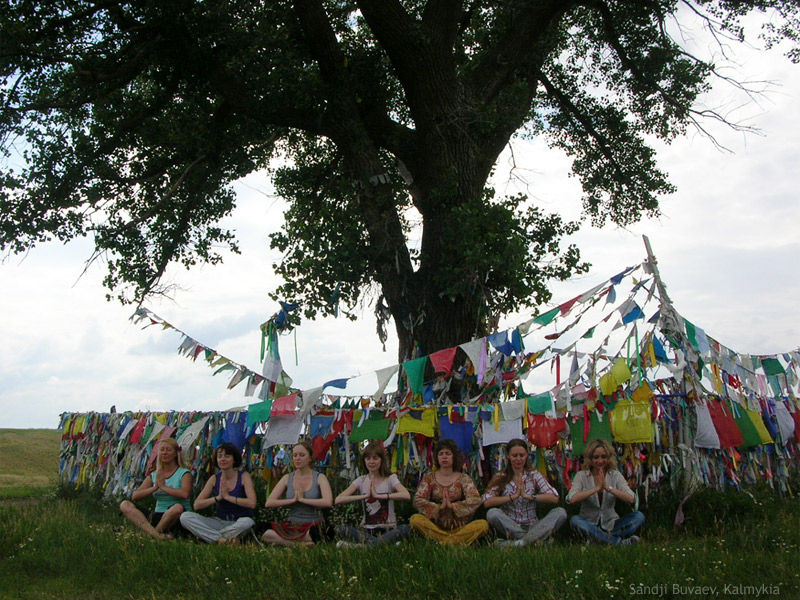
(594, 445)
(501, 479)
(458, 457)
(230, 450)
(178, 454)
(375, 448)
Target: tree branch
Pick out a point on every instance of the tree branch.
(522, 47)
(395, 30)
(376, 201)
(682, 110)
(603, 144)
(422, 55)
(441, 20)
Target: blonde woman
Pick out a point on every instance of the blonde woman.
(170, 484)
(597, 487)
(378, 488)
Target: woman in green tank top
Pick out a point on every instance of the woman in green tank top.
(170, 484)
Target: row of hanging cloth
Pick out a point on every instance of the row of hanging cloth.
(115, 450)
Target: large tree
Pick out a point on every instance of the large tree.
(381, 121)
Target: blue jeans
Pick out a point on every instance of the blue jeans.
(374, 537)
(624, 527)
(505, 527)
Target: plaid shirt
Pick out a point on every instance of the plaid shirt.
(521, 510)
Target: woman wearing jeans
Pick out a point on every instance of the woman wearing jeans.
(512, 496)
(598, 487)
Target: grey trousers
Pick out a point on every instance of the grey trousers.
(211, 529)
(506, 527)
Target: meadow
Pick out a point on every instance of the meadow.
(58, 544)
(28, 462)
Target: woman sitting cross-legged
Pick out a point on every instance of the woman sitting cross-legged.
(170, 484)
(232, 492)
(511, 498)
(597, 487)
(378, 489)
(446, 499)
(306, 492)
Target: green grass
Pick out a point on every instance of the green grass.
(82, 548)
(78, 546)
(28, 461)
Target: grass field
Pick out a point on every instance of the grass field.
(80, 548)
(28, 461)
(734, 545)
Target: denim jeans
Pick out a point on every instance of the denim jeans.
(505, 527)
(624, 527)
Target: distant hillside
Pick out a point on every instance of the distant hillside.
(28, 458)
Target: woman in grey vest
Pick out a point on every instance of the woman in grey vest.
(306, 492)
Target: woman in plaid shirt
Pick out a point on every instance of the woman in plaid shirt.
(511, 498)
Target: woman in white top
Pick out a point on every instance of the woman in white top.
(598, 487)
(378, 489)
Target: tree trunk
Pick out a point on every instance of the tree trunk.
(440, 324)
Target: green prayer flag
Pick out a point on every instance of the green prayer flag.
(597, 429)
(749, 432)
(376, 427)
(146, 433)
(282, 385)
(258, 412)
(415, 370)
(775, 384)
(589, 333)
(226, 367)
(547, 317)
(772, 366)
(691, 333)
(540, 404)
(700, 365)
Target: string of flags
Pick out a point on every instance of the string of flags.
(623, 365)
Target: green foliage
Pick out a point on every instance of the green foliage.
(709, 511)
(324, 243)
(382, 122)
(507, 250)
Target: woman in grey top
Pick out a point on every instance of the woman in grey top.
(306, 492)
(598, 487)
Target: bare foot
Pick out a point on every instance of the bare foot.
(234, 541)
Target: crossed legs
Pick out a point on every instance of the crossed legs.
(137, 517)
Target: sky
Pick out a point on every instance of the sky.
(727, 245)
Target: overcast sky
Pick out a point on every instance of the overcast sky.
(727, 246)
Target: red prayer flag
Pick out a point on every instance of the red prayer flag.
(442, 360)
(286, 405)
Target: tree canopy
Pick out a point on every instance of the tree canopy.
(380, 122)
